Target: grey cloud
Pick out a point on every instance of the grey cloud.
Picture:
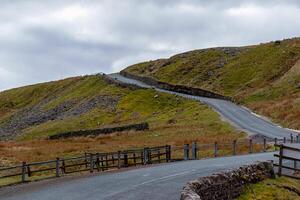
(47, 40)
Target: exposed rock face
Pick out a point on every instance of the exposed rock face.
(38, 114)
(228, 184)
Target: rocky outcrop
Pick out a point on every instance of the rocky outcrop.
(227, 185)
(38, 114)
(102, 131)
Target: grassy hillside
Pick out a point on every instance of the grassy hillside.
(265, 77)
(273, 189)
(32, 113)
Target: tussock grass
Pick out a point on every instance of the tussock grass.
(273, 189)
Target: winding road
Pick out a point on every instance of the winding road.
(156, 182)
(240, 117)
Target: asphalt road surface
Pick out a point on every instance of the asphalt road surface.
(240, 117)
(156, 182)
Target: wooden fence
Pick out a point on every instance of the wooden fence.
(291, 154)
(115, 160)
(195, 151)
(88, 162)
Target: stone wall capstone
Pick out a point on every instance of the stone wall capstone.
(227, 185)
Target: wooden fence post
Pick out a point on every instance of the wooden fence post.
(119, 159)
(106, 162)
(234, 147)
(168, 153)
(265, 144)
(98, 162)
(280, 160)
(91, 163)
(186, 151)
(216, 149)
(28, 171)
(113, 159)
(23, 178)
(146, 156)
(194, 150)
(284, 140)
(125, 159)
(85, 160)
(57, 168)
(297, 138)
(150, 156)
(250, 146)
(134, 159)
(275, 144)
(292, 138)
(158, 152)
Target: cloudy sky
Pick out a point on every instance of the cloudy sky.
(52, 39)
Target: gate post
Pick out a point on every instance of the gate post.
(216, 149)
(186, 151)
(57, 167)
(146, 156)
(168, 149)
(194, 150)
(265, 144)
(23, 172)
(234, 147)
(250, 146)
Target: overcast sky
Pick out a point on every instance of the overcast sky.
(52, 39)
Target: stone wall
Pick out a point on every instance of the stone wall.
(118, 83)
(95, 132)
(176, 88)
(228, 184)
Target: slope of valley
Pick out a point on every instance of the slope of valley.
(32, 113)
(264, 77)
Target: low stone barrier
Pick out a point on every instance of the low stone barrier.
(228, 184)
(176, 88)
(95, 132)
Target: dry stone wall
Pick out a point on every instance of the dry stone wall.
(95, 132)
(227, 185)
(176, 88)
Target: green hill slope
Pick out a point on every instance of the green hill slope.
(264, 77)
(90, 102)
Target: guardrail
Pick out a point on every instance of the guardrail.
(290, 153)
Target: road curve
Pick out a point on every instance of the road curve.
(238, 116)
(155, 182)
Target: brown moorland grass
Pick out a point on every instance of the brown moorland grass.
(13, 152)
(264, 77)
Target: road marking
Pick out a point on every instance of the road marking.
(164, 178)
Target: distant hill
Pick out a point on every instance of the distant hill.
(264, 77)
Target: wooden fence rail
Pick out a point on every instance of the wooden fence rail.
(290, 153)
(115, 160)
(88, 162)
